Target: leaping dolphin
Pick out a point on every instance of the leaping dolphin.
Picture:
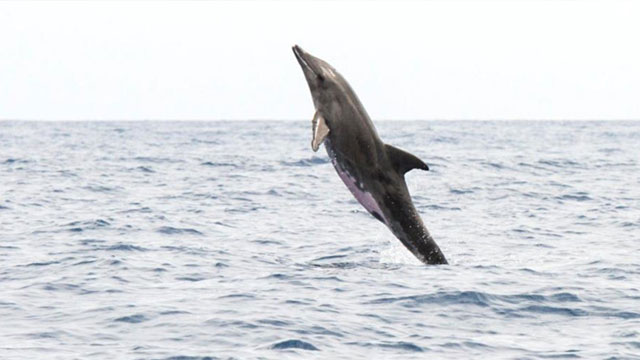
(372, 170)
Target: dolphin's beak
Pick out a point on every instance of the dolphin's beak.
(302, 57)
(297, 50)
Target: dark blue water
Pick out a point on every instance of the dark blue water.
(156, 240)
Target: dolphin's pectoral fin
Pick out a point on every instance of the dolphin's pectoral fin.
(403, 161)
(320, 130)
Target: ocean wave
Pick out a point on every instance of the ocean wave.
(294, 344)
(201, 240)
(219, 164)
(170, 230)
(132, 319)
(316, 160)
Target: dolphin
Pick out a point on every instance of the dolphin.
(372, 170)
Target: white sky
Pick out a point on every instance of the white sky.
(406, 60)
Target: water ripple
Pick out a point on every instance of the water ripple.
(169, 230)
(294, 344)
(132, 319)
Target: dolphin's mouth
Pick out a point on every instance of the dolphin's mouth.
(300, 55)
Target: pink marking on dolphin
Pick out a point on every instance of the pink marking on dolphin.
(363, 197)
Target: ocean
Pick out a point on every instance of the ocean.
(233, 240)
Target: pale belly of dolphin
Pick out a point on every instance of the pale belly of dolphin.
(364, 197)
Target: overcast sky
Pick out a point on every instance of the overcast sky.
(405, 60)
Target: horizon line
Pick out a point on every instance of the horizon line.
(293, 120)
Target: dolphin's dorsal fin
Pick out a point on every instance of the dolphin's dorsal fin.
(320, 130)
(402, 161)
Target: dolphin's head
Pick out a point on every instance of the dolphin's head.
(322, 78)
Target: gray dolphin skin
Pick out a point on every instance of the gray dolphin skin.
(372, 170)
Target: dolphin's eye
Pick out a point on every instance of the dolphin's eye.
(320, 77)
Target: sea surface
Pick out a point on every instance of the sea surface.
(219, 240)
